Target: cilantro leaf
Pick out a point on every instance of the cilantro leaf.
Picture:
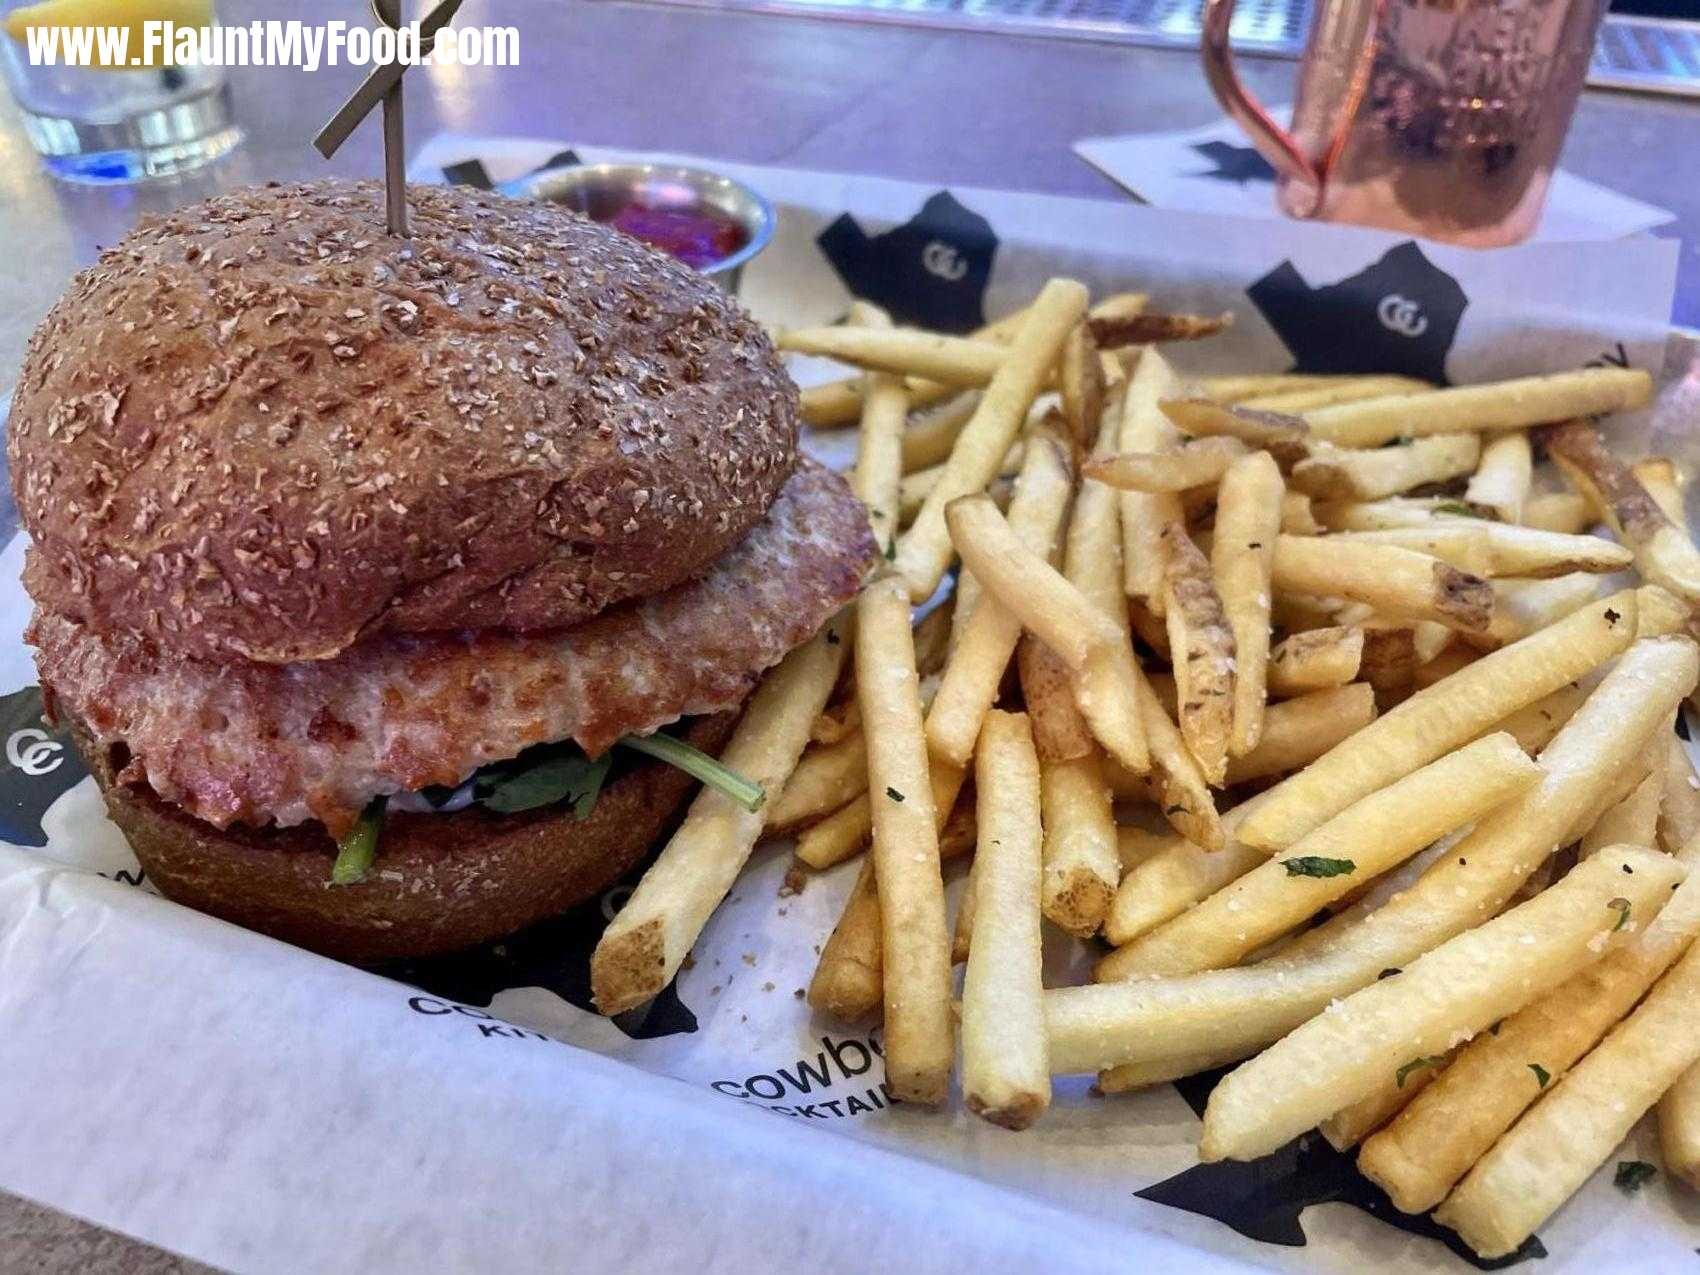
(559, 774)
(1313, 865)
(1621, 906)
(1542, 1075)
(1632, 1175)
(1416, 1064)
(1458, 509)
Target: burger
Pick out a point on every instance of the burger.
(398, 593)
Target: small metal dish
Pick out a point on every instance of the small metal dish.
(599, 191)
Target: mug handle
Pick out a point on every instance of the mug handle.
(1273, 142)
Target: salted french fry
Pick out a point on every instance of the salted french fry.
(1248, 519)
(1454, 657)
(1361, 842)
(932, 641)
(924, 553)
(837, 722)
(1183, 796)
(952, 360)
(962, 929)
(849, 980)
(1420, 1155)
(1106, 690)
(878, 474)
(1112, 331)
(1515, 404)
(1561, 511)
(1284, 437)
(1200, 463)
(1633, 821)
(1679, 809)
(1660, 612)
(1106, 1025)
(1523, 607)
(825, 779)
(1534, 725)
(928, 441)
(1005, 1073)
(1119, 305)
(1145, 428)
(1080, 380)
(1351, 1125)
(916, 949)
(1394, 581)
(1679, 1128)
(1202, 643)
(1134, 845)
(1159, 1071)
(1391, 512)
(1501, 480)
(1442, 717)
(841, 835)
(1149, 628)
(1430, 639)
(1236, 389)
(1501, 549)
(913, 491)
(1338, 473)
(1297, 518)
(976, 664)
(1547, 1155)
(1059, 731)
(1297, 731)
(1352, 391)
(646, 943)
(1081, 864)
(1664, 553)
(1315, 660)
(1659, 476)
(1460, 988)
(1173, 874)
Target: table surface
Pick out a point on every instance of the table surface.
(944, 107)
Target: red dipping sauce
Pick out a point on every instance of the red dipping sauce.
(699, 237)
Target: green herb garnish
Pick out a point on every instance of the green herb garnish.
(699, 765)
(1312, 865)
(1416, 1064)
(1621, 907)
(1541, 1074)
(893, 793)
(1459, 509)
(1632, 1175)
(560, 775)
(358, 847)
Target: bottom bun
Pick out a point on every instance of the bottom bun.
(442, 882)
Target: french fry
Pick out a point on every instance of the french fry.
(1659, 476)
(1394, 581)
(916, 947)
(1390, 660)
(1200, 463)
(1501, 549)
(1515, 404)
(962, 929)
(1080, 378)
(1501, 480)
(1660, 612)
(1352, 391)
(1134, 845)
(1106, 1025)
(1297, 518)
(1337, 473)
(1679, 809)
(1059, 731)
(1454, 657)
(1173, 874)
(1158, 1071)
(1005, 1074)
(1442, 717)
(1541, 1161)
(952, 360)
(849, 979)
(1236, 389)
(1459, 988)
(976, 665)
(825, 779)
(1534, 725)
(1561, 511)
(1202, 643)
(646, 943)
(1633, 821)
(1351, 1125)
(1315, 660)
(927, 442)
(1248, 519)
(1297, 731)
(1145, 428)
(932, 640)
(837, 722)
(1430, 639)
(1081, 864)
(1284, 437)
(1113, 331)
(878, 474)
(1361, 842)
(1182, 794)
(913, 491)
(841, 835)
(1119, 305)
(924, 553)
(1390, 513)
(1149, 628)
(1524, 607)
(1431, 1144)
(1664, 554)
(1679, 1128)
(1106, 690)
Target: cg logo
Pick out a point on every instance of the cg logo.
(939, 258)
(32, 752)
(1401, 316)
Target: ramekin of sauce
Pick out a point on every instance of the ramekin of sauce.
(710, 222)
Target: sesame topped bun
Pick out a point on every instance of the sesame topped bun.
(261, 429)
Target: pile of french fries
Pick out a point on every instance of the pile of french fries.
(1309, 701)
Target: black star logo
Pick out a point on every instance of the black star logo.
(1237, 164)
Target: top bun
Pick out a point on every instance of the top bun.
(260, 428)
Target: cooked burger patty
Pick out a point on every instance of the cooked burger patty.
(259, 743)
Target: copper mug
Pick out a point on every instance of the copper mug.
(1441, 118)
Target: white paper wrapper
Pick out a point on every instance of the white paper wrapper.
(262, 1109)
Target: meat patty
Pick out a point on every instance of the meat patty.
(268, 743)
